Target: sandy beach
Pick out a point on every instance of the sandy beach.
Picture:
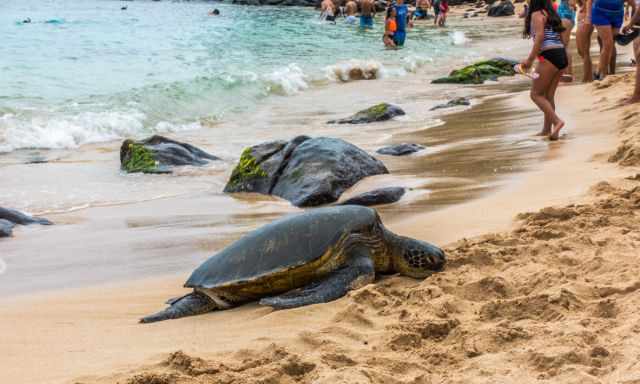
(541, 283)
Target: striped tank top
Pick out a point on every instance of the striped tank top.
(551, 38)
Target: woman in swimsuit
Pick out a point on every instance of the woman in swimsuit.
(544, 25)
(567, 13)
(390, 27)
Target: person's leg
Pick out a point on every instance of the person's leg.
(583, 39)
(566, 40)
(635, 98)
(614, 53)
(605, 32)
(550, 95)
(548, 74)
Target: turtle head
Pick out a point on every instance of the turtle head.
(415, 258)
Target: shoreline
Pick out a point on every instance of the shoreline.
(49, 331)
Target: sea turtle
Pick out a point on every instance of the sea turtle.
(308, 258)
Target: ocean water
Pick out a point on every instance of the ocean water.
(84, 71)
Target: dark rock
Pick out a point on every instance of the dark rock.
(6, 228)
(17, 217)
(459, 101)
(479, 72)
(157, 154)
(376, 197)
(400, 149)
(501, 8)
(380, 112)
(306, 171)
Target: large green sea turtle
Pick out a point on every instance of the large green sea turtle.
(308, 258)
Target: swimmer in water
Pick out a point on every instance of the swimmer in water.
(26, 21)
(350, 11)
(328, 11)
(214, 12)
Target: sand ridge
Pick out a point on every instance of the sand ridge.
(554, 299)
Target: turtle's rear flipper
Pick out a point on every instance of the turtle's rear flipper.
(358, 272)
(189, 305)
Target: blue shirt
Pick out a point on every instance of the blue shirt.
(402, 14)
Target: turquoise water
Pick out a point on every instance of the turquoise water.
(84, 71)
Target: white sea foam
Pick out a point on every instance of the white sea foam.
(355, 70)
(71, 131)
(459, 38)
(412, 63)
(289, 80)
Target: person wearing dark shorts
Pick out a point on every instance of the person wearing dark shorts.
(436, 10)
(544, 26)
(607, 17)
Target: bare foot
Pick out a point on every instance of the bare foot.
(544, 132)
(555, 132)
(631, 100)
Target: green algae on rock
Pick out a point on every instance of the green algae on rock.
(379, 112)
(246, 171)
(157, 154)
(479, 72)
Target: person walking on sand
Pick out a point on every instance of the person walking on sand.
(402, 21)
(367, 11)
(544, 26)
(583, 39)
(635, 21)
(350, 12)
(607, 17)
(390, 27)
(567, 13)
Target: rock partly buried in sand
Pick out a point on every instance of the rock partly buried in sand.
(310, 258)
(400, 149)
(479, 72)
(9, 218)
(458, 101)
(376, 197)
(380, 112)
(306, 171)
(157, 154)
(6, 228)
(501, 8)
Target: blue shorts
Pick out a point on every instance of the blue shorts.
(399, 37)
(366, 22)
(604, 13)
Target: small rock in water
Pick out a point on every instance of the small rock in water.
(376, 197)
(459, 101)
(6, 228)
(157, 154)
(400, 149)
(501, 8)
(18, 217)
(380, 112)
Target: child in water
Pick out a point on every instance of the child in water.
(442, 15)
(390, 28)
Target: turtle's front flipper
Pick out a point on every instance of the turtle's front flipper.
(194, 303)
(358, 272)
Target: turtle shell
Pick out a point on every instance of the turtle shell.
(284, 244)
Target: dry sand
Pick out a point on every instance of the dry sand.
(553, 295)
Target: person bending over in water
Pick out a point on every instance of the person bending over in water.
(442, 16)
(635, 21)
(368, 10)
(328, 11)
(390, 27)
(350, 11)
(544, 25)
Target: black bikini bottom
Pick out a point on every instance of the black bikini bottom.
(557, 57)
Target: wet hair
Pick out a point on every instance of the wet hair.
(390, 10)
(216, 11)
(553, 19)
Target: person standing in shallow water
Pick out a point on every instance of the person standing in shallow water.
(544, 25)
(402, 22)
(350, 10)
(367, 11)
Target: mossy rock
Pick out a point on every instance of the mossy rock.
(158, 154)
(479, 72)
(248, 171)
(378, 112)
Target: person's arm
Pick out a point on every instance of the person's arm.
(538, 20)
